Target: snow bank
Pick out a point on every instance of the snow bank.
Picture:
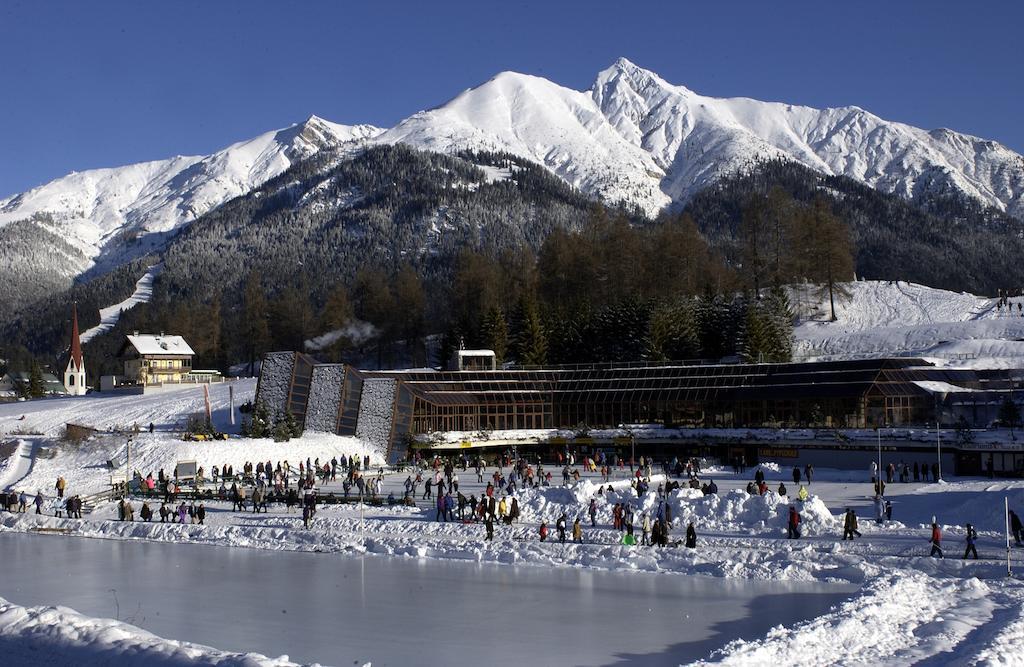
(897, 619)
(59, 635)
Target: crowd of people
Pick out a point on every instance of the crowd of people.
(259, 484)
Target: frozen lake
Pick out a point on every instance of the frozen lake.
(343, 610)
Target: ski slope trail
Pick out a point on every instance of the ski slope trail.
(20, 465)
(110, 315)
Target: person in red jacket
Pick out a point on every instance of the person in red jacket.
(543, 531)
(793, 525)
(936, 541)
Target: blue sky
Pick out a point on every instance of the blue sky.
(93, 84)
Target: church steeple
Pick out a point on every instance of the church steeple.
(76, 344)
(74, 372)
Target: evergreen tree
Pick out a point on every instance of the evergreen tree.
(410, 310)
(256, 331)
(494, 333)
(1009, 414)
(335, 316)
(36, 388)
(531, 343)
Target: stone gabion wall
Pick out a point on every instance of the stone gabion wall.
(275, 381)
(375, 410)
(325, 398)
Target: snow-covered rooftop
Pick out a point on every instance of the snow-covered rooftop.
(159, 344)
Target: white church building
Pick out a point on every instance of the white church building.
(74, 371)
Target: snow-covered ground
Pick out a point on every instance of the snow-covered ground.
(921, 608)
(167, 408)
(882, 318)
(111, 314)
(55, 635)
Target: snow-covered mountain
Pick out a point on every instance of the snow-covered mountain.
(635, 137)
(631, 138)
(111, 214)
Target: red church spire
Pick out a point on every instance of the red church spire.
(76, 345)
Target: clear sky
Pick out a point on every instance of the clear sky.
(95, 84)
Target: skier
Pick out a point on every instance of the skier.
(1015, 526)
(936, 540)
(793, 524)
(971, 538)
(850, 525)
(691, 536)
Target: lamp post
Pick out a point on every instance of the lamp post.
(878, 476)
(128, 466)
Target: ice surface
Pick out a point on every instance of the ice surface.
(339, 609)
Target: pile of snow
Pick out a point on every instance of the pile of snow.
(57, 635)
(898, 619)
(735, 511)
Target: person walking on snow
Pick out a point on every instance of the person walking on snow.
(543, 531)
(1015, 527)
(793, 524)
(802, 494)
(560, 527)
(850, 525)
(796, 475)
(691, 536)
(577, 531)
(936, 541)
(645, 530)
(593, 514)
(879, 510)
(971, 537)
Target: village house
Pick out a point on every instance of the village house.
(155, 359)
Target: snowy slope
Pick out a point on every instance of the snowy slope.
(110, 315)
(101, 210)
(534, 118)
(697, 138)
(898, 318)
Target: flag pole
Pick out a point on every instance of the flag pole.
(1006, 508)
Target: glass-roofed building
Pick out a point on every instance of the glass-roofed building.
(394, 408)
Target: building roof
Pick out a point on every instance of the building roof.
(159, 344)
(51, 384)
(76, 344)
